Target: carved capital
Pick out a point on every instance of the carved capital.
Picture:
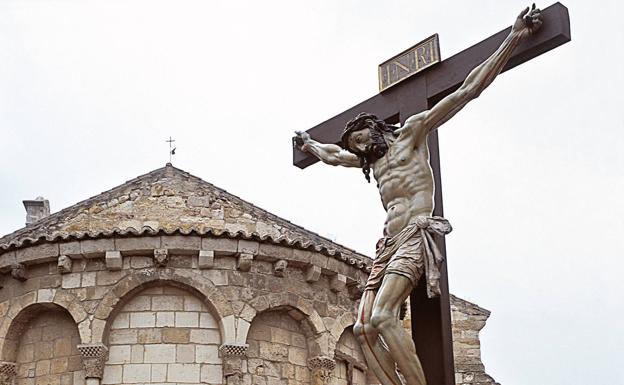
(232, 357)
(232, 350)
(321, 368)
(161, 257)
(7, 372)
(93, 359)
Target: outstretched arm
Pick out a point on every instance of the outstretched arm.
(479, 78)
(327, 153)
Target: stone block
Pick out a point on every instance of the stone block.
(217, 277)
(137, 245)
(142, 320)
(7, 259)
(122, 321)
(159, 373)
(198, 201)
(112, 374)
(149, 336)
(167, 302)
(123, 336)
(185, 354)
(96, 247)
(119, 354)
(187, 373)
(319, 260)
(113, 260)
(71, 249)
(39, 253)
(165, 319)
(206, 259)
(205, 336)
(192, 304)
(207, 354)
(212, 374)
(139, 303)
(138, 353)
(248, 247)
(312, 273)
(71, 281)
(275, 251)
(136, 373)
(64, 264)
(181, 244)
(220, 246)
(338, 283)
(186, 319)
(160, 353)
(175, 335)
(244, 261)
(18, 271)
(88, 279)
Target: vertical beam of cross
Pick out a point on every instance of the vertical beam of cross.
(171, 150)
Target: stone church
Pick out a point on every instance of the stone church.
(168, 279)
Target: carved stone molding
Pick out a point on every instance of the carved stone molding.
(161, 257)
(8, 370)
(93, 358)
(321, 368)
(18, 271)
(279, 267)
(64, 264)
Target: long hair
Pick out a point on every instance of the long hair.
(377, 149)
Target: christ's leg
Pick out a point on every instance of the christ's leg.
(385, 318)
(377, 357)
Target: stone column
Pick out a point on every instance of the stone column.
(233, 356)
(7, 372)
(93, 359)
(321, 368)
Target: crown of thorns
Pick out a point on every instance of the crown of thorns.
(361, 121)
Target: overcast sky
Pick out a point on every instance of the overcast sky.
(532, 170)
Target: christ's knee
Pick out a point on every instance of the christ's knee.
(383, 319)
(364, 332)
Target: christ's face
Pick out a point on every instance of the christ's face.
(361, 140)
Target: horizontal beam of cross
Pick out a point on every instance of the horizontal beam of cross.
(422, 91)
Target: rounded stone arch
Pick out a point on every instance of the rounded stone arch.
(300, 309)
(137, 281)
(21, 309)
(344, 322)
(13, 328)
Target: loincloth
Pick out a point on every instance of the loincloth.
(411, 253)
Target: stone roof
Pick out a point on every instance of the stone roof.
(169, 201)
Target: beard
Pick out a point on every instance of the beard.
(372, 152)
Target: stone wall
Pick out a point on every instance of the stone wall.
(278, 350)
(47, 352)
(163, 335)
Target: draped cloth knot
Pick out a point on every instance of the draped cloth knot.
(411, 253)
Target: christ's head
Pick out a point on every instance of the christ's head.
(364, 137)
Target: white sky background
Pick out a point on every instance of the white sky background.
(532, 170)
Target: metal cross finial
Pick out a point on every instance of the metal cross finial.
(171, 150)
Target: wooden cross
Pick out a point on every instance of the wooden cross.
(431, 320)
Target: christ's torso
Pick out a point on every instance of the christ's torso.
(405, 182)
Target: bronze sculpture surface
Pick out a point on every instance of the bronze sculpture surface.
(399, 159)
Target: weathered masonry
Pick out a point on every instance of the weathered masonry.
(168, 279)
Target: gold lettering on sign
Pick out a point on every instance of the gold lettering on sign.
(411, 61)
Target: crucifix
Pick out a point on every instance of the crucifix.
(171, 150)
(412, 249)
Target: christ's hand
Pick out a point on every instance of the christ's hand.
(528, 22)
(302, 140)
